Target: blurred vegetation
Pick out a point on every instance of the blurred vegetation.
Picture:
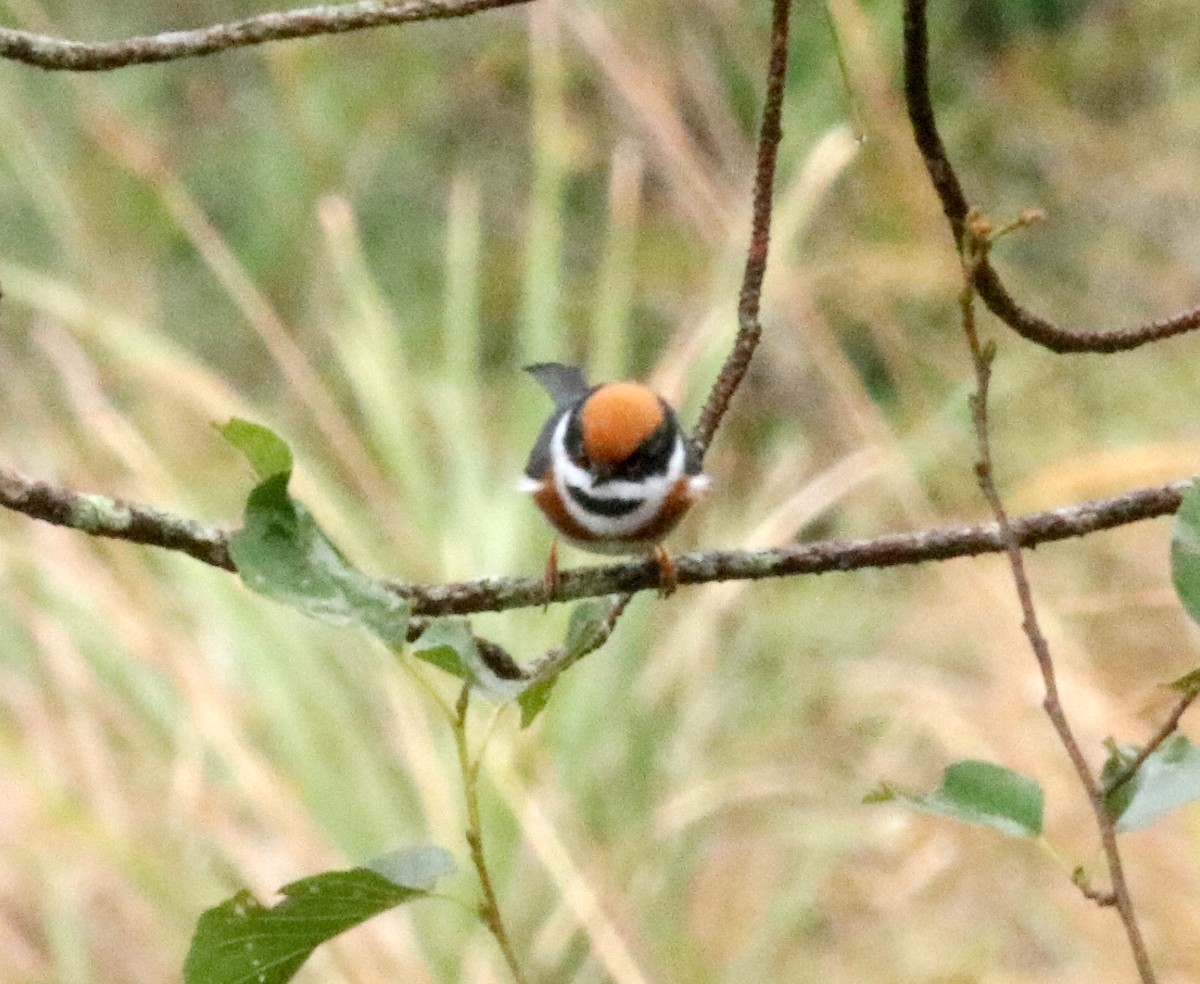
(358, 240)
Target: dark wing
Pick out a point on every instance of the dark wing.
(539, 457)
(564, 383)
(693, 461)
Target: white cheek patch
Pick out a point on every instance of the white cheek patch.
(651, 492)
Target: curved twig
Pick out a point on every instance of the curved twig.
(57, 54)
(974, 251)
(749, 329)
(984, 278)
(102, 516)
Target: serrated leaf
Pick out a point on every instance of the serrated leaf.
(1169, 778)
(980, 793)
(1185, 552)
(450, 644)
(242, 941)
(266, 451)
(281, 552)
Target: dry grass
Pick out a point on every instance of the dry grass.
(357, 241)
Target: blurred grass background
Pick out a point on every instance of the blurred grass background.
(358, 241)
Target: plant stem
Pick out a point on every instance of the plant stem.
(489, 909)
(750, 297)
(974, 250)
(1168, 728)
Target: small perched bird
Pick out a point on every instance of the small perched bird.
(611, 470)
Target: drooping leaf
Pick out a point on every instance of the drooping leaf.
(980, 793)
(242, 941)
(1169, 778)
(534, 698)
(440, 645)
(588, 621)
(450, 644)
(1185, 552)
(281, 552)
(267, 453)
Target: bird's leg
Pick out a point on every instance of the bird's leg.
(550, 577)
(668, 581)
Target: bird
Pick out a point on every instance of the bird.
(611, 470)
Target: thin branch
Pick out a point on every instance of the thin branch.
(955, 205)
(559, 660)
(489, 909)
(99, 515)
(749, 328)
(1100, 897)
(973, 251)
(57, 54)
(1169, 727)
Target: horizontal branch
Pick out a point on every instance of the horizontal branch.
(823, 556)
(57, 54)
(99, 515)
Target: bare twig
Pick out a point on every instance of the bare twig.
(57, 54)
(984, 278)
(101, 516)
(749, 328)
(1101, 898)
(974, 250)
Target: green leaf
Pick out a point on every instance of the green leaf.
(1189, 683)
(282, 553)
(1185, 552)
(980, 793)
(1169, 778)
(241, 941)
(588, 621)
(450, 644)
(267, 453)
(534, 698)
(440, 644)
(1120, 758)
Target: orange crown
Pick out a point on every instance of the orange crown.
(616, 419)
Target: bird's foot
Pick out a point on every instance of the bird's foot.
(668, 579)
(550, 580)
